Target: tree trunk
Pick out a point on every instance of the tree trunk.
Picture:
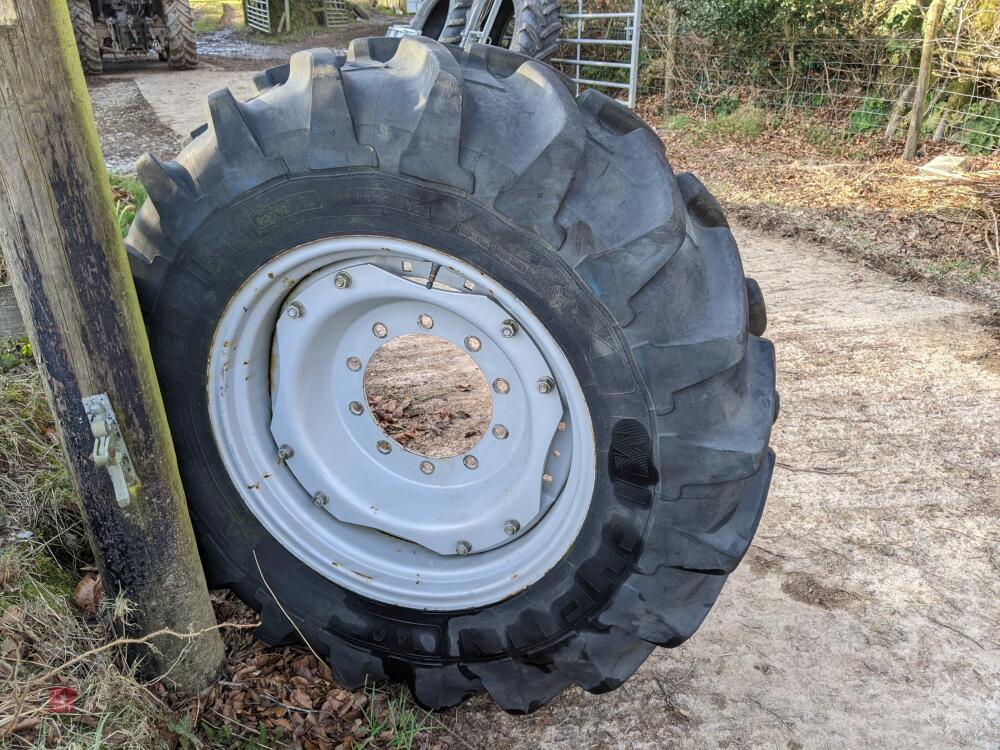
(899, 110)
(69, 271)
(931, 22)
(670, 60)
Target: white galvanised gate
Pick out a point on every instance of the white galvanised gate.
(258, 15)
(600, 44)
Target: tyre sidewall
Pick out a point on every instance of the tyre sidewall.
(237, 240)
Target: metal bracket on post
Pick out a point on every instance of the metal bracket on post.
(110, 451)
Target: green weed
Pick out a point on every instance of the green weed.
(676, 122)
(748, 123)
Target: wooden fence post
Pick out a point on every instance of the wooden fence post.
(70, 274)
(670, 59)
(931, 22)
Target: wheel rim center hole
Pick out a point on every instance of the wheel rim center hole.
(428, 395)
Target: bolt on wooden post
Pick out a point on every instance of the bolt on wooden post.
(70, 274)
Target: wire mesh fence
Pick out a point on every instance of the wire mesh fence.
(863, 85)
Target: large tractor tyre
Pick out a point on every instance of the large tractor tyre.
(430, 18)
(182, 45)
(87, 43)
(535, 27)
(530, 27)
(455, 21)
(412, 188)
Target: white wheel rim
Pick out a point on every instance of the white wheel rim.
(278, 376)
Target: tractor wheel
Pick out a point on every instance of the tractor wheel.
(87, 43)
(455, 21)
(413, 189)
(182, 46)
(535, 27)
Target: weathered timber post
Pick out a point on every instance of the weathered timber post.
(670, 59)
(70, 274)
(931, 22)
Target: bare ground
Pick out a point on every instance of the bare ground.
(867, 613)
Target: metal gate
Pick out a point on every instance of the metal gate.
(258, 15)
(598, 48)
(335, 13)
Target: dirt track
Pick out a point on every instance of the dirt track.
(868, 611)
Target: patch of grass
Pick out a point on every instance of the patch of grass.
(969, 270)
(396, 725)
(870, 116)
(208, 14)
(676, 122)
(129, 195)
(747, 122)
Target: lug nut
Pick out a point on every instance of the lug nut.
(296, 310)
(383, 446)
(473, 344)
(353, 363)
(342, 280)
(425, 321)
(471, 462)
(501, 386)
(356, 408)
(380, 330)
(546, 384)
(500, 432)
(463, 548)
(426, 467)
(511, 527)
(508, 328)
(285, 452)
(547, 478)
(469, 285)
(320, 499)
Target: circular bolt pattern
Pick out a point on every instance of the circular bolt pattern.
(425, 321)
(296, 310)
(501, 386)
(511, 527)
(427, 467)
(285, 452)
(320, 499)
(508, 328)
(545, 385)
(471, 462)
(342, 280)
(380, 330)
(356, 408)
(463, 548)
(353, 363)
(473, 344)
(383, 446)
(500, 432)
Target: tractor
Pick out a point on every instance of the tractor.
(133, 28)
